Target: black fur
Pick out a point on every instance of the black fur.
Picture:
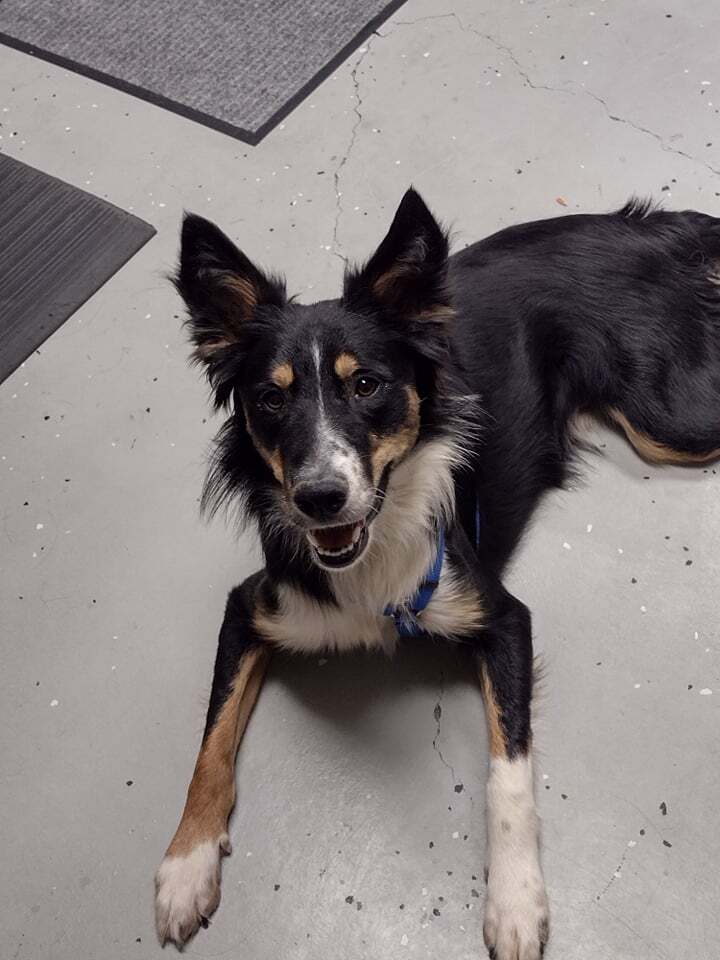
(505, 341)
(580, 314)
(575, 314)
(237, 636)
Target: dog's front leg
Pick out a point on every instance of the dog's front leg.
(516, 913)
(188, 880)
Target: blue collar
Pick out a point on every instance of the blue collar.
(406, 614)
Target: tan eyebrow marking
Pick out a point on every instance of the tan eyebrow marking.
(283, 375)
(346, 365)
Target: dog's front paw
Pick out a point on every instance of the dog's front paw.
(517, 917)
(187, 890)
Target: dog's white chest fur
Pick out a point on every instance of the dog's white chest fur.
(305, 626)
(401, 552)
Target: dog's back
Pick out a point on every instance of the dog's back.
(617, 315)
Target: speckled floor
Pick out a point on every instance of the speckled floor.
(359, 828)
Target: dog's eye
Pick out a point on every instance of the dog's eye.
(366, 386)
(273, 400)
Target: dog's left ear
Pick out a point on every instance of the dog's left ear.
(407, 274)
(222, 288)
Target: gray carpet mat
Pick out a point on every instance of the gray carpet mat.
(59, 245)
(239, 66)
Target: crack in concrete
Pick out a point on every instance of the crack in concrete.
(509, 52)
(640, 936)
(437, 713)
(357, 109)
(522, 72)
(528, 81)
(615, 876)
(411, 23)
(651, 133)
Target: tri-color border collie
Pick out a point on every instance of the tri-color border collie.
(391, 446)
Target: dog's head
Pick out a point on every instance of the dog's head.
(326, 400)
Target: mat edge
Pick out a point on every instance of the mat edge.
(251, 137)
(145, 233)
(66, 183)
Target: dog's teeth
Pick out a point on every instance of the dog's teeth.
(337, 553)
(356, 534)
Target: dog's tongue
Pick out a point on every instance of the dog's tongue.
(334, 538)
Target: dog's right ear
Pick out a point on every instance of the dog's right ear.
(407, 274)
(221, 287)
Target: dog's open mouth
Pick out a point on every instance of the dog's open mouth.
(339, 546)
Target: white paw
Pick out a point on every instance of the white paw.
(517, 918)
(188, 890)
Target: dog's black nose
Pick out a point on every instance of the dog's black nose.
(321, 499)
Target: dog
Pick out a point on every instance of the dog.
(391, 446)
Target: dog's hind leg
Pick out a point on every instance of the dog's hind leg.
(188, 880)
(661, 382)
(516, 912)
(661, 451)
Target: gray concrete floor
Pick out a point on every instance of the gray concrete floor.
(113, 590)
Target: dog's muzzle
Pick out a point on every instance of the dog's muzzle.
(335, 546)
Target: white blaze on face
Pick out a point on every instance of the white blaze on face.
(332, 454)
(317, 357)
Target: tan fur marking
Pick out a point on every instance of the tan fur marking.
(653, 450)
(437, 312)
(275, 463)
(496, 734)
(211, 793)
(383, 290)
(283, 375)
(205, 350)
(394, 446)
(240, 296)
(346, 365)
(243, 293)
(271, 457)
(384, 283)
